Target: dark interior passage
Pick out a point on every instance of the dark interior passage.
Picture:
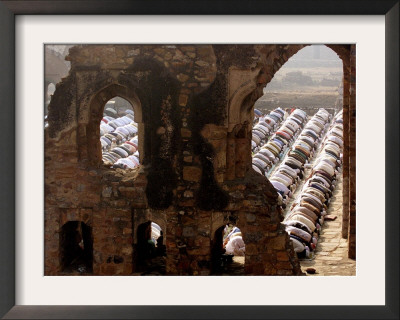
(150, 249)
(76, 243)
(227, 251)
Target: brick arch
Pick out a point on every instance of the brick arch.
(219, 221)
(221, 218)
(242, 83)
(343, 51)
(246, 85)
(70, 248)
(223, 222)
(155, 216)
(110, 91)
(91, 150)
(142, 218)
(161, 220)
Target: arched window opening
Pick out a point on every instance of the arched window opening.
(76, 243)
(228, 251)
(150, 249)
(119, 135)
(310, 79)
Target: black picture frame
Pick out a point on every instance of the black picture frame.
(8, 10)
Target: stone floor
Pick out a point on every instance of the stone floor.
(331, 253)
(236, 268)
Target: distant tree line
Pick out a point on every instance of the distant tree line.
(297, 78)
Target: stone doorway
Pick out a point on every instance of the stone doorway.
(76, 244)
(227, 251)
(150, 249)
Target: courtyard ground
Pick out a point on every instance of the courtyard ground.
(331, 253)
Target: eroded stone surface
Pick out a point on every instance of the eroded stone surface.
(193, 106)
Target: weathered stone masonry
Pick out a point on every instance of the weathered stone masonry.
(194, 109)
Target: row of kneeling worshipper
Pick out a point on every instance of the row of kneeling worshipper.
(119, 140)
(265, 127)
(271, 152)
(114, 131)
(304, 221)
(233, 242)
(290, 172)
(257, 114)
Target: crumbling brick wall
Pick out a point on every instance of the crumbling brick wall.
(194, 109)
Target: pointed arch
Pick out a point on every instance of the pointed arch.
(91, 113)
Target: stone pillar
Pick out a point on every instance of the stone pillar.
(346, 172)
(352, 154)
(112, 241)
(188, 242)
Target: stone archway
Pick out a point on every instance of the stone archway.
(143, 216)
(89, 145)
(245, 87)
(149, 255)
(76, 244)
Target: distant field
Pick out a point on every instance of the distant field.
(303, 96)
(303, 89)
(310, 71)
(271, 100)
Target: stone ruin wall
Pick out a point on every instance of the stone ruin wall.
(193, 105)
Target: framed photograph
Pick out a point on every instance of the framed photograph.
(161, 122)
